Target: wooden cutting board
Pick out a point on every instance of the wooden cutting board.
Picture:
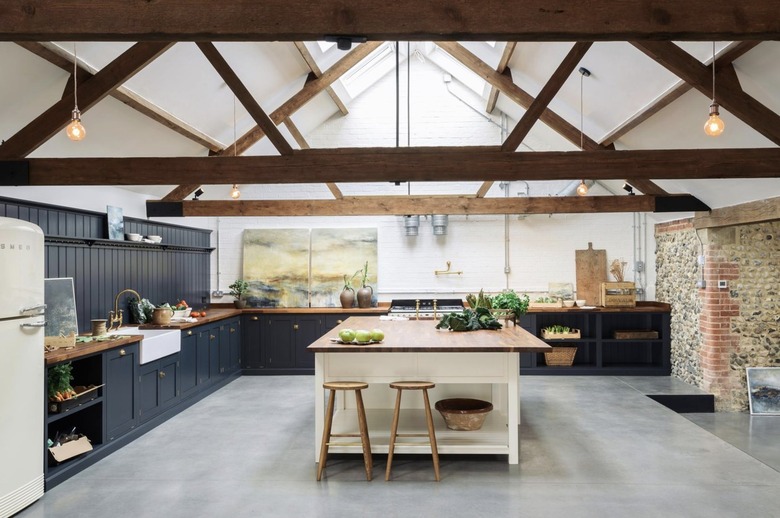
(591, 272)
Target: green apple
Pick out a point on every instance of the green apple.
(363, 335)
(347, 335)
(377, 335)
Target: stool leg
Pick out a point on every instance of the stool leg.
(361, 412)
(326, 434)
(431, 434)
(393, 433)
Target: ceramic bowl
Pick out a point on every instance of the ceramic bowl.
(580, 302)
(133, 237)
(182, 313)
(568, 303)
(154, 239)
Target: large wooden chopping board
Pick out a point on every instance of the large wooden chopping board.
(591, 272)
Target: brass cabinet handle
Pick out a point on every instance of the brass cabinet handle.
(122, 352)
(162, 374)
(189, 333)
(232, 330)
(295, 326)
(255, 318)
(212, 337)
(339, 321)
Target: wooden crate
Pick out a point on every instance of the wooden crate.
(618, 295)
(573, 333)
(635, 334)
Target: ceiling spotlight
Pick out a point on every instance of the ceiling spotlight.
(628, 189)
(235, 193)
(75, 131)
(582, 188)
(198, 194)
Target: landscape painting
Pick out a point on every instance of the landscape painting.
(276, 266)
(336, 252)
(116, 223)
(763, 385)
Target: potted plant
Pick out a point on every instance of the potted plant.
(347, 296)
(509, 304)
(366, 292)
(239, 289)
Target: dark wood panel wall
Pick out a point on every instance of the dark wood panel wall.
(77, 246)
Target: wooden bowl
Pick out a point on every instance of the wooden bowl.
(463, 414)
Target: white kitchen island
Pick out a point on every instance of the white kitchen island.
(479, 364)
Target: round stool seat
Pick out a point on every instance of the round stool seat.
(345, 385)
(412, 385)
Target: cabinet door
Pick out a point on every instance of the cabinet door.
(251, 352)
(277, 340)
(203, 355)
(224, 349)
(169, 381)
(307, 330)
(188, 363)
(121, 392)
(149, 398)
(213, 352)
(235, 344)
(331, 320)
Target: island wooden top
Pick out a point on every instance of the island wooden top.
(422, 336)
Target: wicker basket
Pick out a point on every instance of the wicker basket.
(560, 356)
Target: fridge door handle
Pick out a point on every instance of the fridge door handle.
(34, 324)
(39, 309)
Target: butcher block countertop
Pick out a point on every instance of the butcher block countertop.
(87, 348)
(422, 336)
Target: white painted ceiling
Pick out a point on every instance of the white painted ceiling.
(623, 83)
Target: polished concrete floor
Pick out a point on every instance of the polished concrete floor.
(590, 446)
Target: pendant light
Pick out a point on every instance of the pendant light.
(714, 125)
(582, 188)
(75, 130)
(234, 192)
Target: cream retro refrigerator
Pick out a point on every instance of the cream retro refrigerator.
(21, 365)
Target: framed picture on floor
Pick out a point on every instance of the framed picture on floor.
(763, 385)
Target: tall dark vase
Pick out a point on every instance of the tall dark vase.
(347, 299)
(364, 296)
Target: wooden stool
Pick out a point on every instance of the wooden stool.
(357, 386)
(413, 385)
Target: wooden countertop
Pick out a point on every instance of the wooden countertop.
(87, 348)
(422, 336)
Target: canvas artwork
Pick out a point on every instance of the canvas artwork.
(561, 290)
(336, 252)
(763, 385)
(116, 223)
(61, 319)
(276, 266)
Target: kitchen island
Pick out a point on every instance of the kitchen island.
(479, 364)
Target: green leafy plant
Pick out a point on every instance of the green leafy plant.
(58, 381)
(480, 301)
(348, 282)
(557, 329)
(239, 289)
(469, 320)
(546, 300)
(511, 301)
(364, 279)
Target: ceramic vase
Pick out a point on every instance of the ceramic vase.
(347, 299)
(364, 296)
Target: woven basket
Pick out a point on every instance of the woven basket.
(560, 356)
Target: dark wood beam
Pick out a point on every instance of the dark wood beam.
(181, 192)
(240, 90)
(507, 87)
(406, 164)
(728, 91)
(145, 108)
(743, 214)
(509, 49)
(549, 90)
(484, 188)
(43, 127)
(312, 64)
(298, 136)
(301, 20)
(646, 186)
(306, 94)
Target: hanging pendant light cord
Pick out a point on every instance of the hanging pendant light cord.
(582, 78)
(234, 125)
(713, 71)
(75, 83)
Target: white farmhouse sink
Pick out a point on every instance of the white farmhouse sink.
(156, 343)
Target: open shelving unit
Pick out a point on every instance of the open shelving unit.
(598, 352)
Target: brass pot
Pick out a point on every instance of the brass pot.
(162, 316)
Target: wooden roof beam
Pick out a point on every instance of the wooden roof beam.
(312, 64)
(300, 20)
(506, 86)
(396, 164)
(245, 97)
(298, 136)
(43, 127)
(759, 211)
(503, 63)
(549, 90)
(729, 93)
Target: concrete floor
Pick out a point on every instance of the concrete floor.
(590, 446)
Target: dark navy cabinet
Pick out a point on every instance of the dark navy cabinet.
(188, 363)
(121, 390)
(159, 385)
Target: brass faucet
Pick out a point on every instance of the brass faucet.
(115, 316)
